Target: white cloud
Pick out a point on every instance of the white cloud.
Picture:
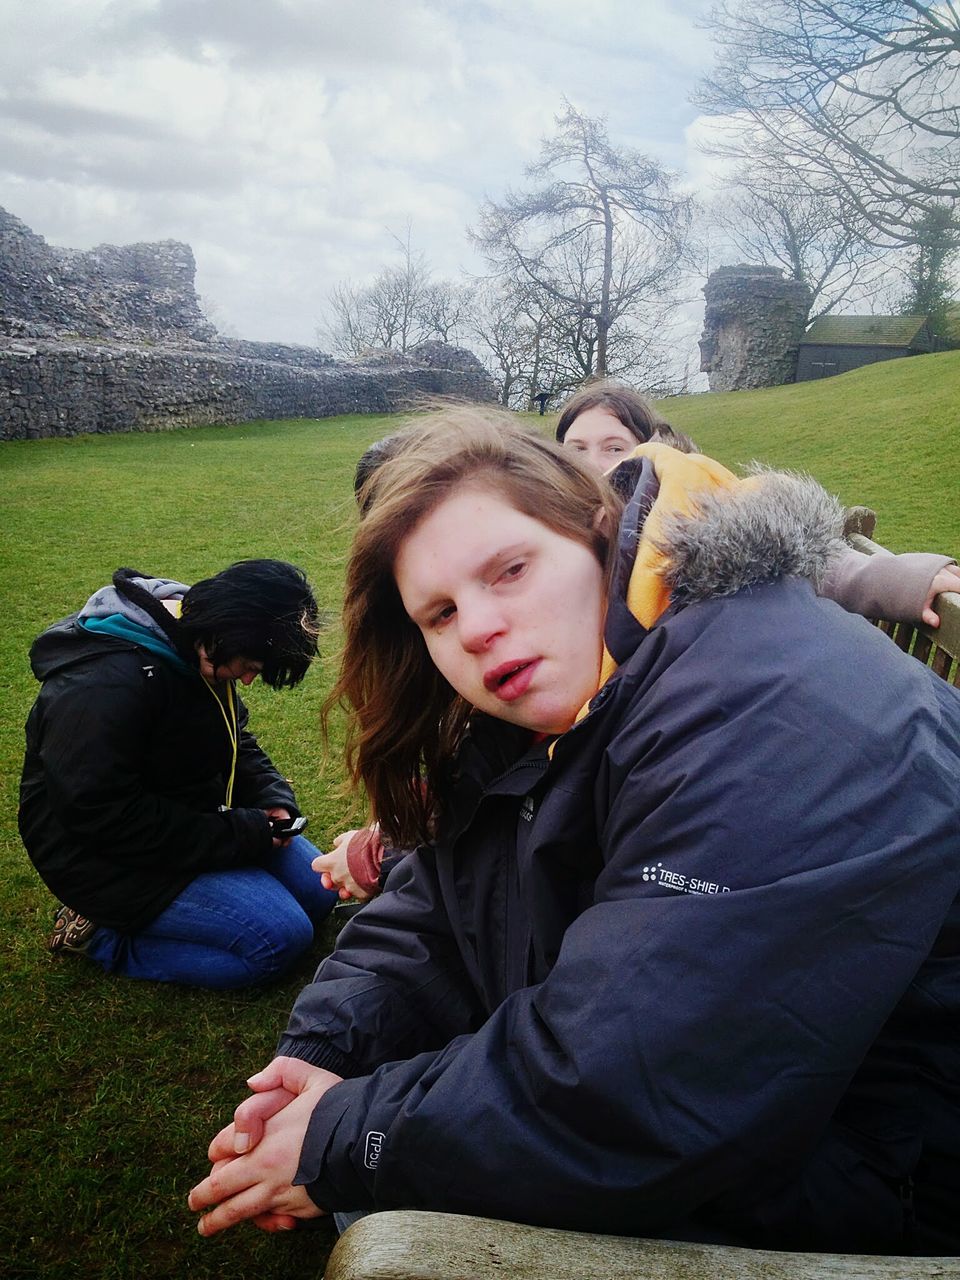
(286, 139)
(705, 169)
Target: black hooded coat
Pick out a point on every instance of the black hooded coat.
(126, 767)
(695, 972)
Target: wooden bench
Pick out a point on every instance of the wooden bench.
(410, 1245)
(413, 1245)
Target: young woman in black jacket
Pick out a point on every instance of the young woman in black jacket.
(146, 804)
(678, 953)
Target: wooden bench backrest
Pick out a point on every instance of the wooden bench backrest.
(413, 1245)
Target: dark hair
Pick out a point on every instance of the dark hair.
(406, 721)
(630, 408)
(371, 460)
(264, 610)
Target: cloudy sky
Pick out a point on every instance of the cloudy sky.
(285, 140)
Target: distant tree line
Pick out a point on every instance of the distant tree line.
(841, 128)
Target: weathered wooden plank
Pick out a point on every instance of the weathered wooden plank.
(941, 662)
(904, 636)
(921, 650)
(860, 520)
(412, 1245)
(948, 633)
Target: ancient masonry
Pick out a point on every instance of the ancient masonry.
(114, 340)
(752, 327)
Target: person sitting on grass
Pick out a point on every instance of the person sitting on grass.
(678, 953)
(146, 805)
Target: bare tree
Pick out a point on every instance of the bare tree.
(350, 326)
(858, 96)
(533, 344)
(508, 335)
(444, 310)
(600, 232)
(402, 306)
(768, 214)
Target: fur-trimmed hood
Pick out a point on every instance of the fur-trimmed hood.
(782, 525)
(692, 531)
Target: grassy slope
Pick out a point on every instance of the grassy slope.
(885, 436)
(111, 1089)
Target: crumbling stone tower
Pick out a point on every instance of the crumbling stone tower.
(752, 327)
(142, 292)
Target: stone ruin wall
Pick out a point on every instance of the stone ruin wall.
(114, 339)
(50, 388)
(140, 292)
(752, 327)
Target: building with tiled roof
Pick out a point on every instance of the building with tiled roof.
(836, 344)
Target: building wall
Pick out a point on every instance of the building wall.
(51, 388)
(823, 361)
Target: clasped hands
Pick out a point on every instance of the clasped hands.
(255, 1158)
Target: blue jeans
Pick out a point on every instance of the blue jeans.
(227, 929)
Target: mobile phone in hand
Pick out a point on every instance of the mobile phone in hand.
(287, 828)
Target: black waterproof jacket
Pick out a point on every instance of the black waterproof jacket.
(697, 975)
(126, 765)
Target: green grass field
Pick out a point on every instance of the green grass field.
(886, 436)
(111, 1089)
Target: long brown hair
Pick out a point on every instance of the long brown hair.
(405, 720)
